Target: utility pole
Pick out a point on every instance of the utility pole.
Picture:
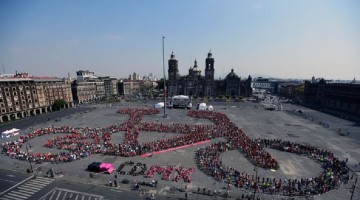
(163, 41)
(354, 186)
(255, 183)
(27, 150)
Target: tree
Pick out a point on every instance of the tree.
(161, 83)
(59, 103)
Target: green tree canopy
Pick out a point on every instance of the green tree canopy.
(59, 103)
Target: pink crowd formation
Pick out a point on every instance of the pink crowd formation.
(167, 170)
(334, 175)
(85, 141)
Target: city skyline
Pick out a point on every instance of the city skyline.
(282, 39)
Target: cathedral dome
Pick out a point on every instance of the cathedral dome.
(195, 68)
(232, 74)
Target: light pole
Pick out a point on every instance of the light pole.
(27, 150)
(353, 187)
(255, 183)
(163, 41)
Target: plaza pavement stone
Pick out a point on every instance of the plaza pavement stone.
(250, 117)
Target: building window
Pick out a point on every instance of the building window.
(3, 110)
(10, 109)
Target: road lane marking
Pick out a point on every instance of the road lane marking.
(26, 191)
(64, 196)
(37, 183)
(31, 187)
(17, 192)
(57, 197)
(3, 198)
(16, 185)
(7, 180)
(10, 197)
(17, 196)
(52, 194)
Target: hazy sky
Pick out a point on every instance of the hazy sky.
(285, 39)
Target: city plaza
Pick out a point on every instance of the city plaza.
(308, 128)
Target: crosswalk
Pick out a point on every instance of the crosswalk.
(26, 190)
(60, 193)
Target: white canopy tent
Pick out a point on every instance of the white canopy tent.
(159, 105)
(202, 106)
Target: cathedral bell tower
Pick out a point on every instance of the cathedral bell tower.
(209, 68)
(173, 71)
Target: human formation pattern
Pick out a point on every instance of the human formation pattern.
(79, 142)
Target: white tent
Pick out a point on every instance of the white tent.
(159, 105)
(202, 106)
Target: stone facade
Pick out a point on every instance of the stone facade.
(84, 91)
(338, 96)
(22, 96)
(195, 84)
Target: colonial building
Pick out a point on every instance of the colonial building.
(84, 91)
(337, 96)
(22, 95)
(110, 85)
(130, 88)
(89, 88)
(195, 84)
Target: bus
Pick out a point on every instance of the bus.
(181, 101)
(10, 133)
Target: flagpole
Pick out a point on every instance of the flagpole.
(163, 41)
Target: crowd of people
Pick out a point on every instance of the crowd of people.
(335, 172)
(136, 170)
(81, 142)
(167, 170)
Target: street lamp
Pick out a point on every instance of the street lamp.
(27, 150)
(353, 187)
(163, 40)
(255, 183)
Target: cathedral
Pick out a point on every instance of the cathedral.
(197, 85)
